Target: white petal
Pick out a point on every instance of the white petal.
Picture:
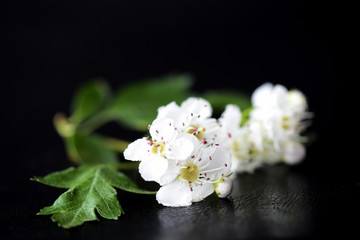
(200, 192)
(182, 147)
(297, 100)
(136, 151)
(163, 130)
(280, 95)
(212, 129)
(169, 111)
(171, 173)
(224, 187)
(261, 95)
(294, 152)
(215, 164)
(175, 194)
(231, 118)
(153, 167)
(199, 107)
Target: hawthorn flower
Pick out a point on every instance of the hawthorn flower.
(238, 140)
(196, 177)
(163, 149)
(278, 119)
(193, 116)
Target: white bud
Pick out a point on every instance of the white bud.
(223, 188)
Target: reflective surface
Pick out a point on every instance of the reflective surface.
(274, 202)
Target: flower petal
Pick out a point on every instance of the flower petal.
(163, 130)
(200, 192)
(197, 107)
(171, 173)
(182, 147)
(294, 152)
(231, 118)
(136, 151)
(280, 95)
(175, 194)
(212, 129)
(215, 163)
(171, 110)
(261, 95)
(153, 167)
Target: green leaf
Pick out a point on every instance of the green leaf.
(136, 104)
(121, 181)
(219, 99)
(88, 100)
(89, 149)
(91, 187)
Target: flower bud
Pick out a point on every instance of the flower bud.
(223, 188)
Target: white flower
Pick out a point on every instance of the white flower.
(165, 147)
(193, 117)
(238, 140)
(196, 177)
(278, 120)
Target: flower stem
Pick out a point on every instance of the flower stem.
(95, 122)
(125, 165)
(116, 144)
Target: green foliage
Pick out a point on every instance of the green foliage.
(88, 100)
(91, 187)
(220, 98)
(89, 149)
(136, 104)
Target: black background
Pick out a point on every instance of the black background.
(50, 47)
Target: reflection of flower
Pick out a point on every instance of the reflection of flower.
(278, 120)
(192, 116)
(196, 176)
(156, 154)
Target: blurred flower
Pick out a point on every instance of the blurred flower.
(278, 120)
(238, 140)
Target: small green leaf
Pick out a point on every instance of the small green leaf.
(89, 149)
(136, 104)
(219, 99)
(67, 178)
(121, 181)
(88, 100)
(91, 187)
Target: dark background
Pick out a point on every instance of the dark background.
(50, 47)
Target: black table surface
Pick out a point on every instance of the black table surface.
(50, 48)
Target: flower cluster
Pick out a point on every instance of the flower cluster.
(182, 154)
(191, 155)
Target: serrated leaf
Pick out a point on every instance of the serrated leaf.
(219, 99)
(88, 99)
(136, 104)
(89, 149)
(121, 181)
(91, 187)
